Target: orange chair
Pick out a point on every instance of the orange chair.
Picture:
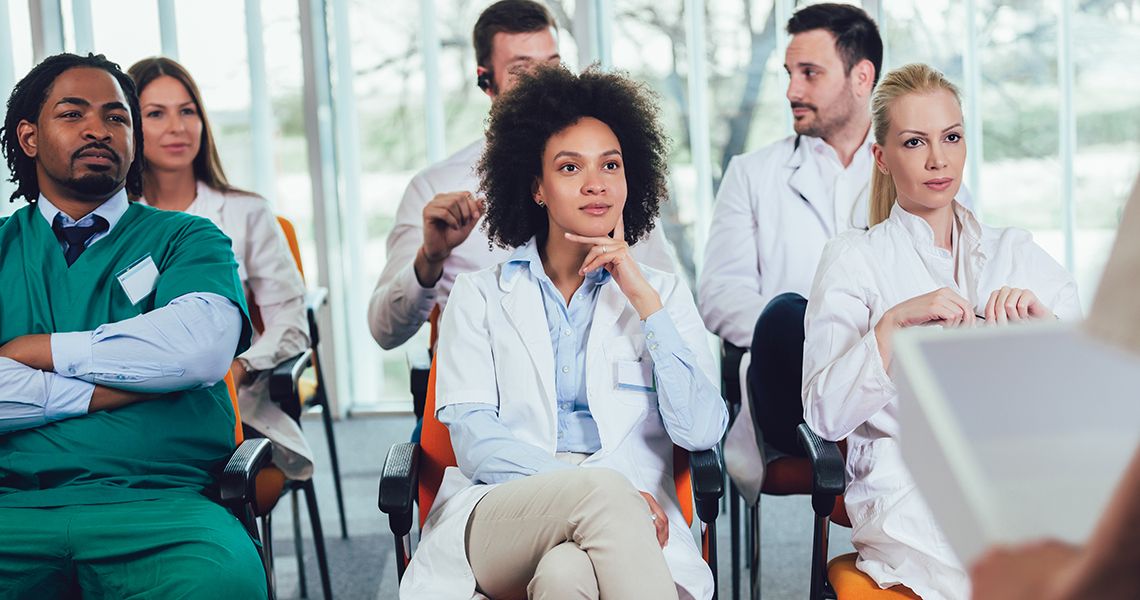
(414, 471)
(318, 395)
(838, 578)
(237, 485)
(286, 390)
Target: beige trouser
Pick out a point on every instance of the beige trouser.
(576, 533)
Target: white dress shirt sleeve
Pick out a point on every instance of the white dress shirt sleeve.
(30, 398)
(399, 304)
(188, 343)
(276, 287)
(729, 293)
(844, 380)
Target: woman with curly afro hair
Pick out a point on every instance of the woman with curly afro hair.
(566, 374)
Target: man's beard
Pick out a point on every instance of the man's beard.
(93, 185)
(826, 125)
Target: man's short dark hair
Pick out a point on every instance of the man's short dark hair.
(856, 35)
(26, 102)
(546, 102)
(508, 16)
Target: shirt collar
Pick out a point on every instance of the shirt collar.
(920, 231)
(526, 258)
(111, 209)
(822, 149)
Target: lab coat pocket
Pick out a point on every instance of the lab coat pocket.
(631, 372)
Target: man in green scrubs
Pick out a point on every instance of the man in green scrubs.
(117, 323)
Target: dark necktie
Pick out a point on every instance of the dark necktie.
(76, 237)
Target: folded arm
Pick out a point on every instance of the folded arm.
(189, 343)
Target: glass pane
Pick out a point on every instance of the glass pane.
(649, 43)
(212, 46)
(926, 31)
(293, 192)
(20, 62)
(746, 89)
(1106, 42)
(1021, 174)
(21, 40)
(124, 30)
(389, 94)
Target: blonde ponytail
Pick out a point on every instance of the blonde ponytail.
(914, 78)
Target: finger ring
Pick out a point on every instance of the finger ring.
(652, 517)
(605, 249)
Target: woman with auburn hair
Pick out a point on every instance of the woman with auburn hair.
(926, 260)
(183, 173)
(567, 373)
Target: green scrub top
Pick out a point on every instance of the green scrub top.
(173, 445)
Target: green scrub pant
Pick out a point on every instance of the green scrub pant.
(184, 547)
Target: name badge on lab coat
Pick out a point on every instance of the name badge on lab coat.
(635, 375)
(139, 279)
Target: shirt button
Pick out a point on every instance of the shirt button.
(649, 335)
(566, 332)
(654, 346)
(565, 369)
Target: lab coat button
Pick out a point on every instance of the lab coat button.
(565, 369)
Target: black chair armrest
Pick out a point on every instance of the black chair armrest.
(419, 366)
(398, 482)
(707, 472)
(730, 357)
(314, 300)
(829, 478)
(283, 383)
(240, 474)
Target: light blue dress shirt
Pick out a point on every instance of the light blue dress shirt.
(488, 452)
(168, 349)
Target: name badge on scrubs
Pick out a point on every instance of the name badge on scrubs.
(635, 376)
(139, 279)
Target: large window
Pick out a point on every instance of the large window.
(1053, 119)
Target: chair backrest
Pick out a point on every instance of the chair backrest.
(239, 437)
(291, 237)
(436, 455)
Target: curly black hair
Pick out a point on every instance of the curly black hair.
(546, 102)
(28, 99)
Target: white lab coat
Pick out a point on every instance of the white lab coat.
(495, 349)
(399, 304)
(774, 214)
(270, 278)
(847, 393)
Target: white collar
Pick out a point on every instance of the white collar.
(112, 209)
(923, 235)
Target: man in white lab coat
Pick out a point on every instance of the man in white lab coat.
(778, 206)
(434, 237)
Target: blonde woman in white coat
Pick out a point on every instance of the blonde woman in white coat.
(926, 261)
(566, 374)
(183, 173)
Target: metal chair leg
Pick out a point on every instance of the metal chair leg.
(267, 554)
(754, 547)
(819, 584)
(734, 514)
(326, 416)
(298, 545)
(709, 536)
(318, 537)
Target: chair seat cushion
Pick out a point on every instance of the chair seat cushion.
(852, 584)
